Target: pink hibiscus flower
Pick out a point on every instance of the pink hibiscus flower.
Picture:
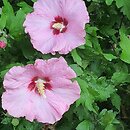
(43, 91)
(57, 25)
(2, 44)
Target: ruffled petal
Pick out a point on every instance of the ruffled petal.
(39, 30)
(70, 12)
(48, 8)
(19, 76)
(46, 109)
(66, 89)
(16, 102)
(55, 67)
(72, 39)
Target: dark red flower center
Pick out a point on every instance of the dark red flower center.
(39, 85)
(59, 25)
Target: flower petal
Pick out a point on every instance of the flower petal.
(66, 89)
(72, 41)
(55, 67)
(39, 30)
(70, 8)
(46, 110)
(19, 76)
(16, 102)
(48, 8)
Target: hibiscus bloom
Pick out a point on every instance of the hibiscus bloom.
(57, 25)
(2, 44)
(43, 91)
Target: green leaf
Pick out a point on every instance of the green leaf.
(93, 38)
(86, 99)
(77, 69)
(119, 3)
(125, 4)
(33, 0)
(110, 127)
(9, 12)
(126, 8)
(120, 77)
(76, 57)
(25, 7)
(125, 45)
(27, 48)
(15, 122)
(3, 21)
(26, 125)
(107, 117)
(109, 2)
(84, 125)
(116, 101)
(16, 28)
(6, 120)
(103, 87)
(109, 57)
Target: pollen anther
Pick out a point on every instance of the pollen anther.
(40, 86)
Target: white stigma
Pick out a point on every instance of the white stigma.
(40, 86)
(58, 26)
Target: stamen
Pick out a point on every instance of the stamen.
(58, 26)
(40, 86)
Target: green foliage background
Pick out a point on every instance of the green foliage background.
(102, 66)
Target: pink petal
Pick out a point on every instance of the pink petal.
(19, 77)
(66, 89)
(55, 67)
(35, 23)
(41, 110)
(75, 11)
(16, 102)
(39, 30)
(71, 41)
(48, 8)
(60, 42)
(2, 44)
(45, 109)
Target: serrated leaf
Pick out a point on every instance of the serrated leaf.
(120, 77)
(25, 7)
(125, 45)
(102, 87)
(76, 57)
(16, 28)
(84, 125)
(86, 98)
(126, 8)
(107, 117)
